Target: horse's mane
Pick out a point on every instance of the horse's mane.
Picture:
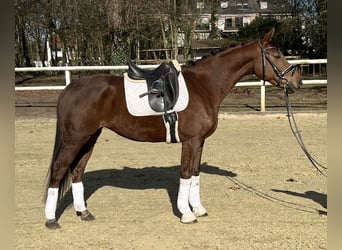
(214, 52)
(275, 43)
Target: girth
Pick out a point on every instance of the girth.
(162, 84)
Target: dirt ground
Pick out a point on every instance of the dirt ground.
(256, 184)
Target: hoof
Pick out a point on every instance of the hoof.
(86, 215)
(52, 224)
(188, 218)
(200, 211)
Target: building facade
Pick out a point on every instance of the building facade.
(232, 15)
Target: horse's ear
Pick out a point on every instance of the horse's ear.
(268, 36)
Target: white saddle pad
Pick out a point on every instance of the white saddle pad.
(140, 106)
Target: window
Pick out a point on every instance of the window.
(263, 5)
(228, 23)
(202, 23)
(238, 22)
(224, 5)
(239, 5)
(242, 5)
(200, 4)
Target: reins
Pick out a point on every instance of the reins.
(296, 133)
(293, 125)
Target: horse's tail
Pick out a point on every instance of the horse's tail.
(64, 184)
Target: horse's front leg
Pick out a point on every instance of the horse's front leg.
(189, 186)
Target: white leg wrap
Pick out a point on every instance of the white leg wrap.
(183, 201)
(78, 196)
(51, 203)
(194, 197)
(183, 196)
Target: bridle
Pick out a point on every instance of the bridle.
(279, 73)
(296, 132)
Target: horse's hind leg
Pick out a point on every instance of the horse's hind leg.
(72, 156)
(77, 176)
(58, 180)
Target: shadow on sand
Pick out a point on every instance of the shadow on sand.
(313, 195)
(139, 179)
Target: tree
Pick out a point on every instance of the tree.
(303, 33)
(100, 32)
(314, 16)
(258, 27)
(106, 32)
(186, 15)
(214, 31)
(23, 57)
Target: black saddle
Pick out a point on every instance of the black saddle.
(162, 84)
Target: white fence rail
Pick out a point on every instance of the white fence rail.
(68, 69)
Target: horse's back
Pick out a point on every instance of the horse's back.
(91, 84)
(89, 98)
(89, 88)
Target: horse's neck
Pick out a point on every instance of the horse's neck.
(234, 64)
(219, 73)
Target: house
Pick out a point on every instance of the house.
(230, 16)
(234, 14)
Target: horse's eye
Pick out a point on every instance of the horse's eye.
(277, 56)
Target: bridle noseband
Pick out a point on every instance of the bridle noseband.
(280, 74)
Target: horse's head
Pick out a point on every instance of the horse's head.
(272, 66)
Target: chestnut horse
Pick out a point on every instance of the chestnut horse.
(90, 103)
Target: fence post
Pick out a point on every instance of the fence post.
(262, 97)
(67, 77)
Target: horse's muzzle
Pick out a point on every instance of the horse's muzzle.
(291, 87)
